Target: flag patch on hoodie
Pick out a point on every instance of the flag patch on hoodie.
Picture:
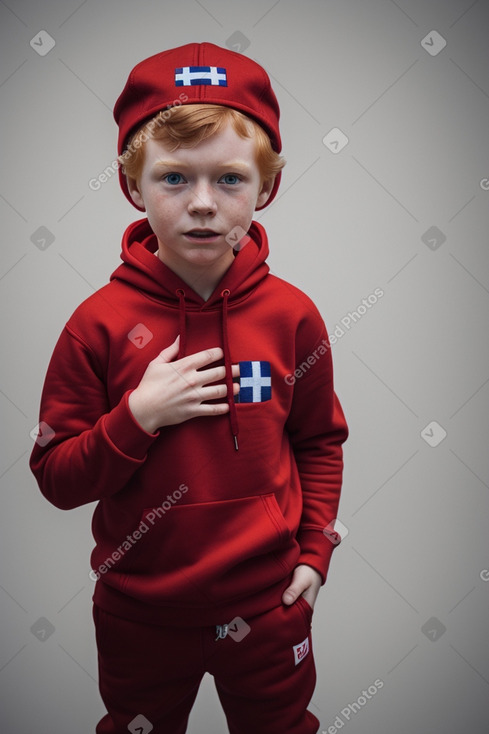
(255, 382)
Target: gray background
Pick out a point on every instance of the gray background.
(406, 598)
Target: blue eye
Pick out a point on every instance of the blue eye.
(230, 179)
(173, 178)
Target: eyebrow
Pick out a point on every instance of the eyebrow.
(168, 164)
(180, 164)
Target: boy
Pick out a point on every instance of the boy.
(193, 397)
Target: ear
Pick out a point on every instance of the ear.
(133, 188)
(265, 191)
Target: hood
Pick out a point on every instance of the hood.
(142, 270)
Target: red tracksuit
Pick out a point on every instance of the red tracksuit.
(200, 524)
(264, 679)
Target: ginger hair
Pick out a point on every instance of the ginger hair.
(187, 125)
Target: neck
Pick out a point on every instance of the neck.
(201, 278)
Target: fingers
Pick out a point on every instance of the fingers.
(174, 390)
(216, 392)
(200, 381)
(201, 359)
(169, 353)
(198, 360)
(215, 374)
(207, 356)
(216, 408)
(290, 595)
(305, 582)
(192, 361)
(206, 409)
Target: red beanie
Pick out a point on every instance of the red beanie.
(194, 74)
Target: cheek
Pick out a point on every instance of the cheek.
(161, 215)
(160, 205)
(244, 203)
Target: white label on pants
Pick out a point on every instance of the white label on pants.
(301, 650)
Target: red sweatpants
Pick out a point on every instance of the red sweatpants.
(263, 669)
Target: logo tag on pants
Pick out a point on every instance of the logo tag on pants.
(301, 650)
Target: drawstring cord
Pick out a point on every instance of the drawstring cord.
(182, 326)
(233, 418)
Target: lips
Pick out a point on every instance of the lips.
(201, 233)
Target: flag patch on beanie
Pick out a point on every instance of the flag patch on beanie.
(255, 382)
(191, 76)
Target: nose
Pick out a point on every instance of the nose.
(202, 199)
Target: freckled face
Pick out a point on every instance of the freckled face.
(194, 197)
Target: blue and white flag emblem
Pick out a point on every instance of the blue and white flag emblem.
(191, 76)
(255, 382)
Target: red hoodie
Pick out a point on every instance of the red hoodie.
(207, 519)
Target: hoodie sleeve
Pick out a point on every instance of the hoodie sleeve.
(317, 430)
(84, 450)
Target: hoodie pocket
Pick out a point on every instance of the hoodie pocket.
(211, 552)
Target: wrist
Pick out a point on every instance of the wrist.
(140, 414)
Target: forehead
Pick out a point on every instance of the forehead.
(224, 146)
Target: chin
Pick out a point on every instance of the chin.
(207, 255)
